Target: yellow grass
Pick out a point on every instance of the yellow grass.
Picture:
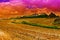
(11, 31)
(44, 21)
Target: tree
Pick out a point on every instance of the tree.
(52, 15)
(43, 15)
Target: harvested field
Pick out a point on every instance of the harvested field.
(13, 31)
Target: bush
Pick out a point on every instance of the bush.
(40, 25)
(43, 15)
(52, 15)
(57, 21)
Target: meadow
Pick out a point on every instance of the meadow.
(44, 22)
(16, 29)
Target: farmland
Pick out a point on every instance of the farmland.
(13, 29)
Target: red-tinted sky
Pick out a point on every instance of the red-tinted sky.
(50, 4)
(20, 7)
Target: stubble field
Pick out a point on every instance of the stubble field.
(13, 29)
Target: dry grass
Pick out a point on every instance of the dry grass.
(44, 21)
(27, 32)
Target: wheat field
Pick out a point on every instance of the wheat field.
(12, 31)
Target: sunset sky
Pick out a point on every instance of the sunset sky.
(50, 4)
(53, 5)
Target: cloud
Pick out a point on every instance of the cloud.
(50, 4)
(4, 0)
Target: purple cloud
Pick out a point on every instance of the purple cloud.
(50, 4)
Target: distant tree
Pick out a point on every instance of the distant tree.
(43, 15)
(35, 14)
(52, 15)
(57, 16)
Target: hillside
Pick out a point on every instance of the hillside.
(12, 31)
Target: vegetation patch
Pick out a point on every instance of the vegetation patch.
(39, 25)
(36, 16)
(57, 21)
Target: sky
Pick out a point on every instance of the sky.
(50, 4)
(4, 0)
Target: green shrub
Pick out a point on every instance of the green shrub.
(40, 25)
